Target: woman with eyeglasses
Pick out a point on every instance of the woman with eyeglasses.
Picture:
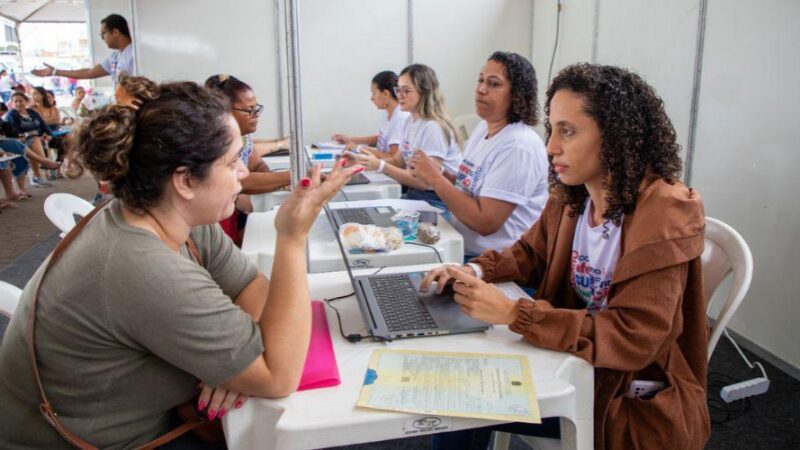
(386, 143)
(501, 185)
(246, 110)
(428, 129)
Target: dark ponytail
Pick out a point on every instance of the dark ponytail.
(386, 81)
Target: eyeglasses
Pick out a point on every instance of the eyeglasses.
(252, 112)
(405, 90)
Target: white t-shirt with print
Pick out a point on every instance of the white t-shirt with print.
(510, 166)
(428, 136)
(391, 129)
(120, 61)
(595, 251)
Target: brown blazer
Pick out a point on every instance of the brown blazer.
(655, 327)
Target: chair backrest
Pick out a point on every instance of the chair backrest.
(61, 207)
(464, 125)
(726, 252)
(9, 297)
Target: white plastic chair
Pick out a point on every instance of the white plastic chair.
(465, 124)
(9, 297)
(60, 207)
(725, 253)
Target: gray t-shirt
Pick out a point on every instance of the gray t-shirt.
(125, 328)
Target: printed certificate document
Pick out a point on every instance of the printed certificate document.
(477, 385)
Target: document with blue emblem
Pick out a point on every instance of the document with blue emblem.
(476, 385)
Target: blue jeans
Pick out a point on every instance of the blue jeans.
(20, 164)
(479, 438)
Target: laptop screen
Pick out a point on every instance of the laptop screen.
(332, 222)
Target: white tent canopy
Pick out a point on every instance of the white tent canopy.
(52, 11)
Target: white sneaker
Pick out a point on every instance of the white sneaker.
(39, 182)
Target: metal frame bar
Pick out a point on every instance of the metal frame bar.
(296, 163)
(698, 72)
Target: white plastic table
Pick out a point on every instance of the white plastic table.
(329, 417)
(324, 253)
(381, 186)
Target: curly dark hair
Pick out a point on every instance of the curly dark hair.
(637, 135)
(179, 125)
(524, 92)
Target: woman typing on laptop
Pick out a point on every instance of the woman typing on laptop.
(501, 185)
(615, 261)
(386, 143)
(146, 303)
(429, 129)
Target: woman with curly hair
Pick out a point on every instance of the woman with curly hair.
(615, 260)
(146, 305)
(500, 187)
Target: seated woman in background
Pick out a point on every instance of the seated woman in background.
(386, 143)
(33, 131)
(81, 104)
(246, 111)
(176, 303)
(615, 260)
(45, 106)
(428, 129)
(501, 185)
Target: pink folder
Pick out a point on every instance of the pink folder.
(320, 370)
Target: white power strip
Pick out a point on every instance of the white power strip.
(744, 389)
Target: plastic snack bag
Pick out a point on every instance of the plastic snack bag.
(358, 238)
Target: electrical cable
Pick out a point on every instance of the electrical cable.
(438, 255)
(354, 337)
(741, 353)
(555, 46)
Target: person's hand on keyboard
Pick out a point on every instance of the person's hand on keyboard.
(441, 276)
(481, 300)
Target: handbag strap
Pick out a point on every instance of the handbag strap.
(45, 406)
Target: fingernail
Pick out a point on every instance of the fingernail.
(238, 404)
(342, 162)
(221, 413)
(359, 170)
(305, 182)
(201, 405)
(212, 414)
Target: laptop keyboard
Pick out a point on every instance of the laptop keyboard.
(357, 215)
(400, 303)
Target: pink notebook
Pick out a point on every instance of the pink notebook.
(320, 370)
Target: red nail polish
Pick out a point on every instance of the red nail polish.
(343, 162)
(359, 170)
(201, 405)
(221, 414)
(238, 404)
(212, 414)
(305, 182)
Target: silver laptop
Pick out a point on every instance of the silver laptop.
(393, 307)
